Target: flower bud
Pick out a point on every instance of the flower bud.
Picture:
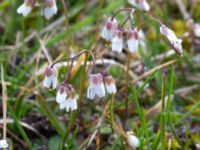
(173, 40)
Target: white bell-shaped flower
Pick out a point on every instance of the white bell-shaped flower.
(117, 41)
(96, 86)
(132, 40)
(110, 84)
(109, 29)
(50, 8)
(26, 7)
(50, 79)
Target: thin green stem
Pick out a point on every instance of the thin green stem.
(141, 116)
(111, 110)
(163, 114)
(19, 127)
(73, 116)
(127, 86)
(121, 10)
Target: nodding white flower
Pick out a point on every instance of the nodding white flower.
(66, 97)
(61, 93)
(132, 40)
(175, 42)
(96, 86)
(132, 140)
(26, 7)
(109, 29)
(50, 79)
(117, 41)
(50, 8)
(3, 144)
(110, 84)
(141, 4)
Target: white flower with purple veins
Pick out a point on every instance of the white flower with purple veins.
(132, 140)
(117, 41)
(50, 8)
(50, 79)
(66, 97)
(110, 84)
(109, 29)
(175, 42)
(96, 86)
(26, 7)
(3, 144)
(132, 40)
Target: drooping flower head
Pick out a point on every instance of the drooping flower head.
(109, 29)
(175, 42)
(26, 7)
(50, 8)
(96, 86)
(66, 97)
(117, 41)
(132, 40)
(132, 140)
(110, 84)
(50, 79)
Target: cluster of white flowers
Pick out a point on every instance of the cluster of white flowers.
(111, 32)
(66, 97)
(140, 4)
(97, 88)
(3, 144)
(49, 10)
(175, 42)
